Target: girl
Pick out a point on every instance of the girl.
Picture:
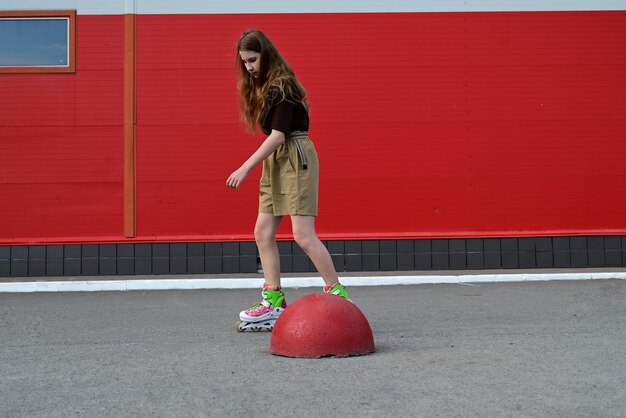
(273, 99)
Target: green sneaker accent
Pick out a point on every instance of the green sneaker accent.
(338, 290)
(275, 297)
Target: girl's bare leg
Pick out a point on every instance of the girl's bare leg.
(306, 237)
(265, 237)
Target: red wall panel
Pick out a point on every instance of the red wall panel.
(427, 125)
(61, 144)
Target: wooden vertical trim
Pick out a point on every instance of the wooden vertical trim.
(130, 129)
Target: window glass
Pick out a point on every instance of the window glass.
(34, 42)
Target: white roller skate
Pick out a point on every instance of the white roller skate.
(262, 316)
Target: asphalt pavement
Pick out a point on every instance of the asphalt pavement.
(527, 349)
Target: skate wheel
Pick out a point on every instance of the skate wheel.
(242, 326)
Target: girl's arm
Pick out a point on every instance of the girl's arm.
(273, 141)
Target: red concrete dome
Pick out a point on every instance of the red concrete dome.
(320, 325)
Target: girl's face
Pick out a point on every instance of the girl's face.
(252, 61)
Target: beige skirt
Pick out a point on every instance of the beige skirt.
(289, 183)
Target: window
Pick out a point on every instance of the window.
(38, 41)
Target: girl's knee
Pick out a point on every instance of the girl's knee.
(305, 241)
(263, 236)
(304, 232)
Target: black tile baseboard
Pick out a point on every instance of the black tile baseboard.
(347, 255)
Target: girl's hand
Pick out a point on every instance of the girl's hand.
(237, 177)
(268, 146)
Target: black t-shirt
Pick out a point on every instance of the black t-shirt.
(284, 115)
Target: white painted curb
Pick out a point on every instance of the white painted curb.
(293, 282)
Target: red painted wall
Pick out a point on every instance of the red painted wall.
(61, 144)
(427, 124)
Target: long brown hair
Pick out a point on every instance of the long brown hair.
(274, 71)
